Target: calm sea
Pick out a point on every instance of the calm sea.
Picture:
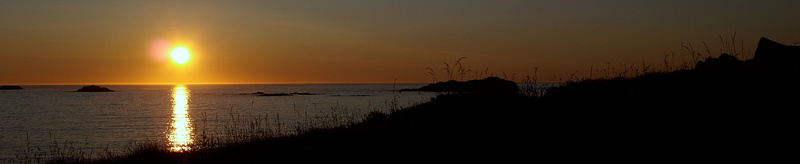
(38, 116)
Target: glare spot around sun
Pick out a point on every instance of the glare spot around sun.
(180, 55)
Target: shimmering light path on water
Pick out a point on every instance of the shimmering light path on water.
(180, 137)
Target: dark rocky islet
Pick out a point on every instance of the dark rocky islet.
(94, 88)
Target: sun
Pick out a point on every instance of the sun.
(180, 55)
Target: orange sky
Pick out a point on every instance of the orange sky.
(110, 42)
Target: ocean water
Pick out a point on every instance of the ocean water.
(40, 117)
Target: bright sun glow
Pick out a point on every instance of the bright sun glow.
(180, 55)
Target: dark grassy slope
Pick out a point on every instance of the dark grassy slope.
(601, 125)
(455, 128)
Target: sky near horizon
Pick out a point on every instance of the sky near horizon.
(363, 41)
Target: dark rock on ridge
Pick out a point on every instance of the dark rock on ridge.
(775, 60)
(769, 51)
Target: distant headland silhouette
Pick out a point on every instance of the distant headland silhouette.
(486, 85)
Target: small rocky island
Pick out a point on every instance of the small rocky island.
(281, 94)
(94, 88)
(10, 87)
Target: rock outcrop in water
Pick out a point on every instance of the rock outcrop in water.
(10, 87)
(281, 94)
(94, 88)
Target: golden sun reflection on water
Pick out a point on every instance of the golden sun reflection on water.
(180, 137)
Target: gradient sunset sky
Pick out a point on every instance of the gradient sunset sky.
(364, 41)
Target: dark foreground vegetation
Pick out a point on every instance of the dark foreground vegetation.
(724, 110)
